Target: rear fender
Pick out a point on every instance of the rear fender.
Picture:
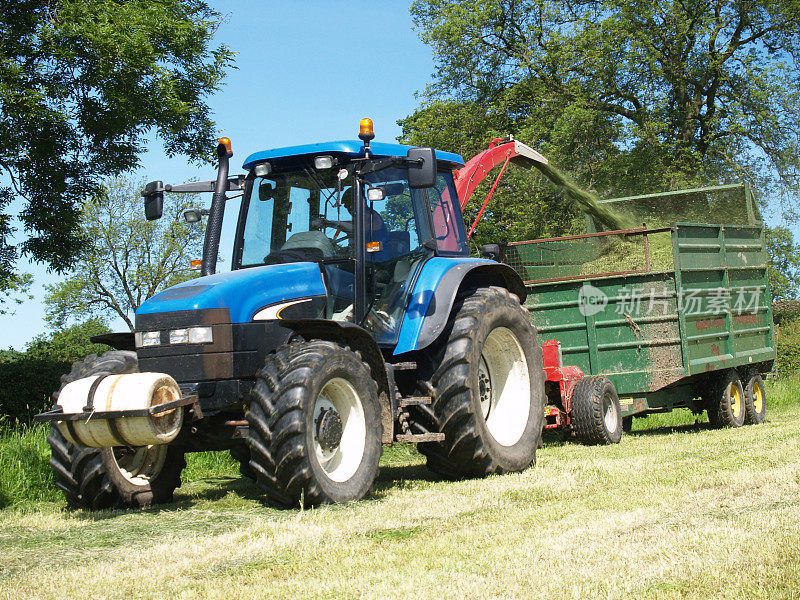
(360, 340)
(435, 291)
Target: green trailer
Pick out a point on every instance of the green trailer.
(667, 315)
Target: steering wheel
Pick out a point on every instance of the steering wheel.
(346, 226)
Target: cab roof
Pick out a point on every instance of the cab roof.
(350, 148)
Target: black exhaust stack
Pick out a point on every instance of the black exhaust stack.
(217, 211)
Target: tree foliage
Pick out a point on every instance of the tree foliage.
(82, 86)
(130, 258)
(783, 262)
(630, 96)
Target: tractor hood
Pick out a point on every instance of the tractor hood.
(243, 293)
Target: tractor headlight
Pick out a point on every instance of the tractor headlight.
(191, 335)
(179, 336)
(263, 169)
(147, 338)
(186, 335)
(323, 162)
(200, 335)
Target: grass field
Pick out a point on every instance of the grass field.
(677, 510)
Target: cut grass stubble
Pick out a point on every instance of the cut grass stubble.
(676, 510)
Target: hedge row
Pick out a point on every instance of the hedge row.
(27, 385)
(29, 378)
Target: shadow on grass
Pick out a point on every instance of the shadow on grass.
(552, 438)
(670, 429)
(393, 475)
(216, 488)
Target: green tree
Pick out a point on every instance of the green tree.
(69, 344)
(82, 85)
(783, 266)
(630, 96)
(130, 258)
(14, 290)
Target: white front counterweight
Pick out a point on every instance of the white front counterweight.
(121, 393)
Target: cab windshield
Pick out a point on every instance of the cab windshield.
(306, 215)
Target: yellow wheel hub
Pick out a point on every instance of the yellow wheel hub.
(758, 399)
(736, 401)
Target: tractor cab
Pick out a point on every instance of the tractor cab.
(300, 205)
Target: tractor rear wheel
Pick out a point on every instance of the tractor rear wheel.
(755, 399)
(488, 388)
(596, 415)
(725, 401)
(95, 478)
(315, 426)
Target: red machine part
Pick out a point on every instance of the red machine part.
(559, 384)
(500, 150)
(559, 380)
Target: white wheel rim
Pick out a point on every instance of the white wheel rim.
(341, 462)
(507, 402)
(610, 413)
(484, 388)
(141, 464)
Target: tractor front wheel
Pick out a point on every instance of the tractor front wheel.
(488, 388)
(95, 478)
(315, 426)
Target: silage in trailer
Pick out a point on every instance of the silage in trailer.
(637, 251)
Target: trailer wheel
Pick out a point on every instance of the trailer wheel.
(315, 426)
(488, 388)
(241, 454)
(755, 399)
(95, 478)
(627, 424)
(726, 401)
(596, 415)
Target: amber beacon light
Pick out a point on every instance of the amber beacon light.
(365, 130)
(226, 143)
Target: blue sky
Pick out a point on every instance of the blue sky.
(307, 72)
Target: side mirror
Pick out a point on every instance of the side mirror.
(421, 168)
(490, 251)
(153, 200)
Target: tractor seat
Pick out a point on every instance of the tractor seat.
(304, 246)
(311, 239)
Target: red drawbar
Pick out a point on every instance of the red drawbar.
(565, 377)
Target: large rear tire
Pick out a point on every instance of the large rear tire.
(315, 426)
(488, 388)
(96, 478)
(726, 401)
(596, 415)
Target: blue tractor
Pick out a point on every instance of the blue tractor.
(352, 317)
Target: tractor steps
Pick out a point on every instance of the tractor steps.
(415, 401)
(405, 366)
(416, 438)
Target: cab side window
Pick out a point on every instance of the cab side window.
(448, 228)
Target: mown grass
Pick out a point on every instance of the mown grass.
(677, 510)
(26, 477)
